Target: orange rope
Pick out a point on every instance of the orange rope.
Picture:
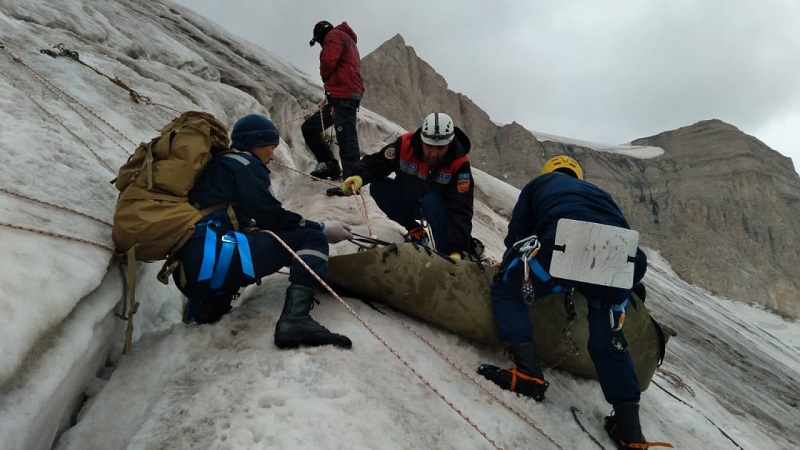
(57, 235)
(381, 340)
(56, 119)
(474, 380)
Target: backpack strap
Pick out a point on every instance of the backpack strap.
(130, 261)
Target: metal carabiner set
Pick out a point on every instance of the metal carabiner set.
(528, 249)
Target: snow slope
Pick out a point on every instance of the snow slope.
(729, 379)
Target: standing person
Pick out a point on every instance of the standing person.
(560, 192)
(433, 181)
(340, 69)
(217, 260)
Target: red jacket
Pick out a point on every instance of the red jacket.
(340, 64)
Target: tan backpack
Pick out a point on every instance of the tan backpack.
(154, 218)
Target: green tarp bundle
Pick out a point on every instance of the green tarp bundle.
(455, 296)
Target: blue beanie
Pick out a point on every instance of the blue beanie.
(253, 131)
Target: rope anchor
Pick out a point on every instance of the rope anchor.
(62, 51)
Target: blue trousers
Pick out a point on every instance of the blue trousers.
(341, 113)
(614, 367)
(404, 210)
(268, 256)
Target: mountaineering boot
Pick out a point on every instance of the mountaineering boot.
(417, 235)
(623, 426)
(327, 170)
(295, 327)
(209, 310)
(212, 309)
(527, 378)
(335, 192)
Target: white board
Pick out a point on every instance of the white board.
(594, 253)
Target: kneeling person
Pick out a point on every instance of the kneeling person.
(433, 181)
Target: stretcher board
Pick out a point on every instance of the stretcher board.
(594, 253)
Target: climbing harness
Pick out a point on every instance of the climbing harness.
(215, 268)
(525, 250)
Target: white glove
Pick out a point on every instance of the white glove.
(336, 231)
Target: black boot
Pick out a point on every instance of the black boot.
(208, 310)
(527, 378)
(327, 170)
(623, 425)
(295, 327)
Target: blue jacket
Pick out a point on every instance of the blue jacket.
(241, 179)
(553, 196)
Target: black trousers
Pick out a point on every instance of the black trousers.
(341, 114)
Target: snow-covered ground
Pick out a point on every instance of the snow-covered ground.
(729, 379)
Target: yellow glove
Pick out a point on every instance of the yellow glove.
(352, 185)
(456, 256)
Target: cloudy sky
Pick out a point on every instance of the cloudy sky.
(606, 72)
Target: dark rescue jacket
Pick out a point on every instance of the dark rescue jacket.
(242, 180)
(452, 180)
(553, 196)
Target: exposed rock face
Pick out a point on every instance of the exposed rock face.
(729, 207)
(720, 205)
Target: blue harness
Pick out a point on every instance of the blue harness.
(538, 270)
(216, 268)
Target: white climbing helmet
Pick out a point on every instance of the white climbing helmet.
(438, 129)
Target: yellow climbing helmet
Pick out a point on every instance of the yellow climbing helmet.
(563, 163)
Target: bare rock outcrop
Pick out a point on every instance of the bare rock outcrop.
(720, 205)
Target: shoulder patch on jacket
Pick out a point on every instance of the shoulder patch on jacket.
(463, 183)
(390, 153)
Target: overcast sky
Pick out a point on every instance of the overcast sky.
(607, 72)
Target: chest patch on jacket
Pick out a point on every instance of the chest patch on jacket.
(390, 153)
(443, 177)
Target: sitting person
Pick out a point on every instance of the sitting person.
(433, 181)
(218, 260)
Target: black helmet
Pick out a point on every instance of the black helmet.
(320, 30)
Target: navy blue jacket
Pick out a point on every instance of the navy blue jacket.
(553, 196)
(241, 179)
